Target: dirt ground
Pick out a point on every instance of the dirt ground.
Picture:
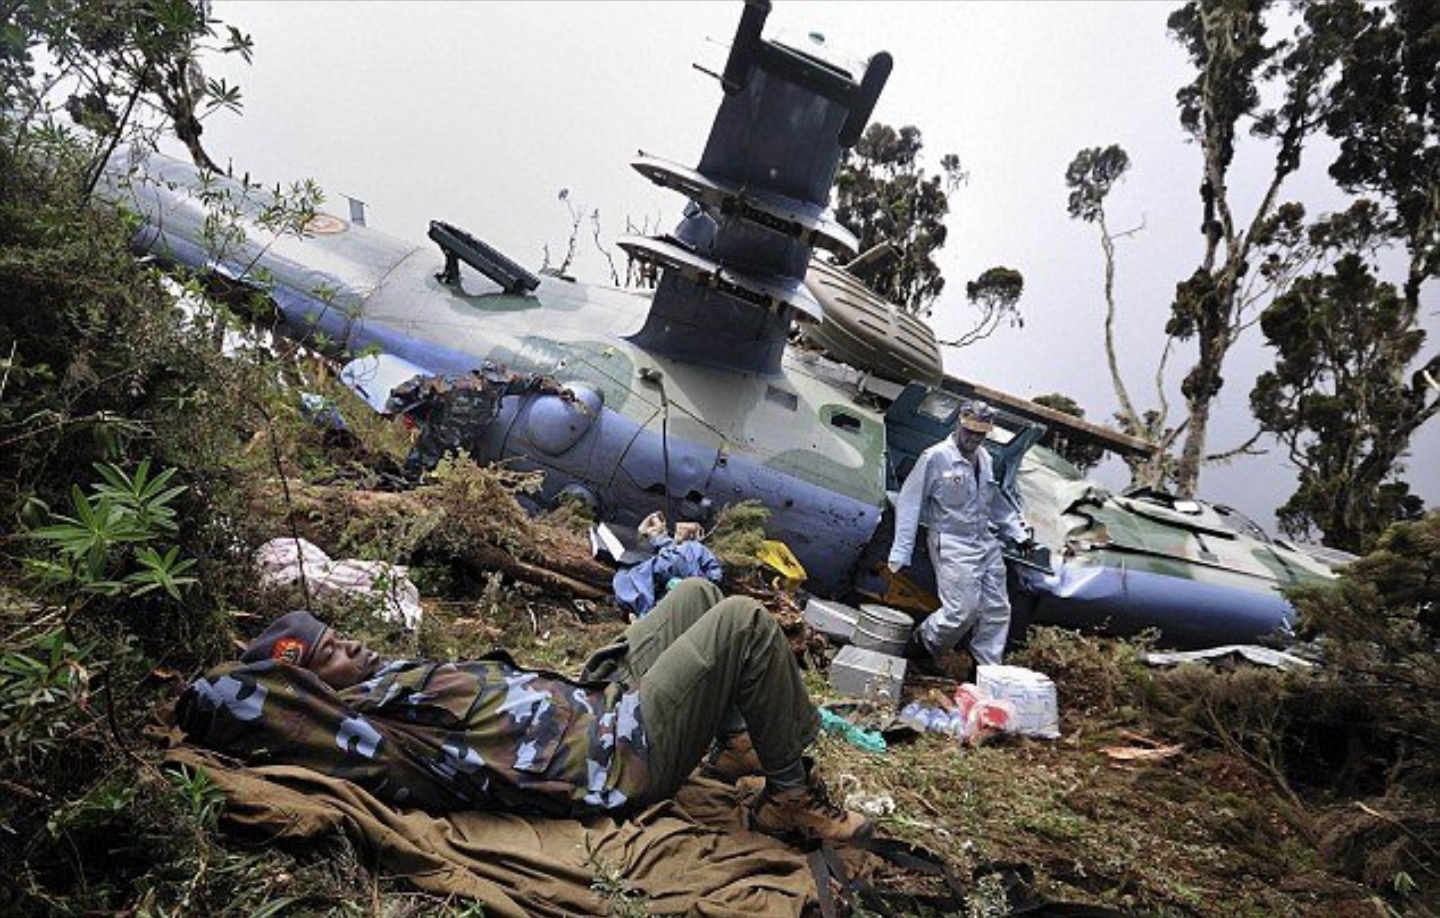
(1133, 807)
(1111, 813)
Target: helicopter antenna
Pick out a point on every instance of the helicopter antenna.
(656, 378)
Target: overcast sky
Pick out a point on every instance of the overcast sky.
(481, 113)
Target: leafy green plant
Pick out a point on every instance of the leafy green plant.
(738, 536)
(42, 685)
(102, 806)
(160, 572)
(140, 496)
(90, 546)
(203, 798)
(479, 502)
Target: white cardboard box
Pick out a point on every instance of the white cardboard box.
(1037, 713)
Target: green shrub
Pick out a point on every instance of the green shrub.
(44, 690)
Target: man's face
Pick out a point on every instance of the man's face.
(342, 662)
(968, 440)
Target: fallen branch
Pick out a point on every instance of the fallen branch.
(322, 511)
(490, 558)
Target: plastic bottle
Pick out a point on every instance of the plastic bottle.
(914, 715)
(955, 724)
(932, 719)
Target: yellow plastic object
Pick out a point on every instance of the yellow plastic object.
(778, 557)
(903, 593)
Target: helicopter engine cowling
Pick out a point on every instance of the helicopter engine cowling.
(554, 424)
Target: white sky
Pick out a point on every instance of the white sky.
(479, 113)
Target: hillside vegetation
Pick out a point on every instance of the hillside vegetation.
(151, 439)
(145, 463)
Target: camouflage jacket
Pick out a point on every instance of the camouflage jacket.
(481, 734)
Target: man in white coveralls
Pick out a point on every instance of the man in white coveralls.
(952, 490)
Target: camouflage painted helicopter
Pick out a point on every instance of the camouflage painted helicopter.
(753, 371)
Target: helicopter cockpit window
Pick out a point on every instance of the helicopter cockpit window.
(781, 397)
(846, 422)
(939, 406)
(1242, 523)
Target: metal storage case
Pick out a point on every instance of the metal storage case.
(868, 674)
(883, 629)
(835, 620)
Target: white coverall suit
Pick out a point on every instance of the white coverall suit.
(959, 501)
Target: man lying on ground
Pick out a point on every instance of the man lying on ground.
(489, 734)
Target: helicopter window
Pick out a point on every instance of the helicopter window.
(845, 421)
(1242, 523)
(780, 397)
(940, 406)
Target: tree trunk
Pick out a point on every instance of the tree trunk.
(552, 577)
(1192, 452)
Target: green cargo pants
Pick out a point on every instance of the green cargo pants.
(700, 658)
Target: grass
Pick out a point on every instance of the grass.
(1204, 834)
(1214, 831)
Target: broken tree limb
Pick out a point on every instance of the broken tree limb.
(469, 535)
(488, 557)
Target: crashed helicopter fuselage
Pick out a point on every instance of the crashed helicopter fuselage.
(686, 399)
(691, 397)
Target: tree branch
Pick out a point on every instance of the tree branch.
(1244, 449)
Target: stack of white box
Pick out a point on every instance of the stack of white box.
(856, 672)
(1033, 694)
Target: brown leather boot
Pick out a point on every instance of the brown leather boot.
(807, 814)
(922, 662)
(732, 759)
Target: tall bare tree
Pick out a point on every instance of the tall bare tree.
(1091, 176)
(1350, 386)
(1237, 71)
(1353, 383)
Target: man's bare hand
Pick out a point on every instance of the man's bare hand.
(685, 531)
(653, 525)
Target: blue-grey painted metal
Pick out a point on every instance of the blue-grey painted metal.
(690, 399)
(785, 117)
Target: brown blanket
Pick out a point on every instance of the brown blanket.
(689, 856)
